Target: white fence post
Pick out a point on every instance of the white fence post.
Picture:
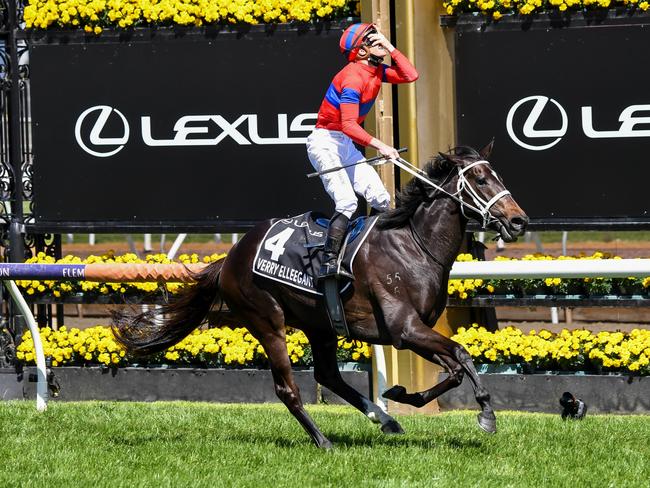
(178, 242)
(147, 243)
(380, 362)
(41, 370)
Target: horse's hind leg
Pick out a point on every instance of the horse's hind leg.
(327, 373)
(264, 319)
(275, 345)
(435, 347)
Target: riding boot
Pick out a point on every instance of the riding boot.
(336, 230)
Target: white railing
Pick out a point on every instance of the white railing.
(559, 268)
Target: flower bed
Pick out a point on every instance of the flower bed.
(218, 347)
(578, 350)
(464, 289)
(497, 8)
(95, 15)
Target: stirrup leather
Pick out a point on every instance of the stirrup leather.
(334, 306)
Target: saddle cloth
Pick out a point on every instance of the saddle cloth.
(292, 249)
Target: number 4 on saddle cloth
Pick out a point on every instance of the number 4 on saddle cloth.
(291, 253)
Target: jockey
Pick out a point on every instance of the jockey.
(347, 101)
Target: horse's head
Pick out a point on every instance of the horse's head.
(483, 194)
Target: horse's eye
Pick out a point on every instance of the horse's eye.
(481, 181)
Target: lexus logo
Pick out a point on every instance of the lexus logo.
(191, 130)
(632, 119)
(95, 140)
(528, 129)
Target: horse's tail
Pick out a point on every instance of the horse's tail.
(155, 330)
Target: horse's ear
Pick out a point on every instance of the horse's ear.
(458, 161)
(487, 150)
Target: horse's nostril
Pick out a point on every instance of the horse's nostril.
(519, 221)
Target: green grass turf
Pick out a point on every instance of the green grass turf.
(211, 445)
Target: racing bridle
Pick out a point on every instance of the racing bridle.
(464, 189)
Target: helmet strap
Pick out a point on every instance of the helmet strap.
(375, 60)
(372, 59)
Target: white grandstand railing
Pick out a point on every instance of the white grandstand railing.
(559, 268)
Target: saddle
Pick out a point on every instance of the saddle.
(291, 253)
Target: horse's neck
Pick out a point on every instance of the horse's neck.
(441, 225)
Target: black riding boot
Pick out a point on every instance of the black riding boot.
(336, 230)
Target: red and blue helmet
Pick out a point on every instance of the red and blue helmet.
(353, 38)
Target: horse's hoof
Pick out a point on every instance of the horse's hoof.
(326, 445)
(394, 393)
(392, 427)
(487, 422)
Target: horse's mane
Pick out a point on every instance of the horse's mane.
(415, 192)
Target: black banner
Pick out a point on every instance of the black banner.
(193, 131)
(570, 110)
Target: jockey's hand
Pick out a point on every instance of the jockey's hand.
(378, 39)
(387, 151)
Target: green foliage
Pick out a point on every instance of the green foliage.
(115, 444)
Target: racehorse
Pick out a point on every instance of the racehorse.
(413, 246)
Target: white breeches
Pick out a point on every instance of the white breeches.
(329, 149)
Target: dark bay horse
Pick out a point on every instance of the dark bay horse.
(399, 293)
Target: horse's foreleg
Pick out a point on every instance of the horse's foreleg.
(419, 399)
(486, 419)
(327, 373)
(419, 338)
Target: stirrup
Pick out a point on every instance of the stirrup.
(329, 269)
